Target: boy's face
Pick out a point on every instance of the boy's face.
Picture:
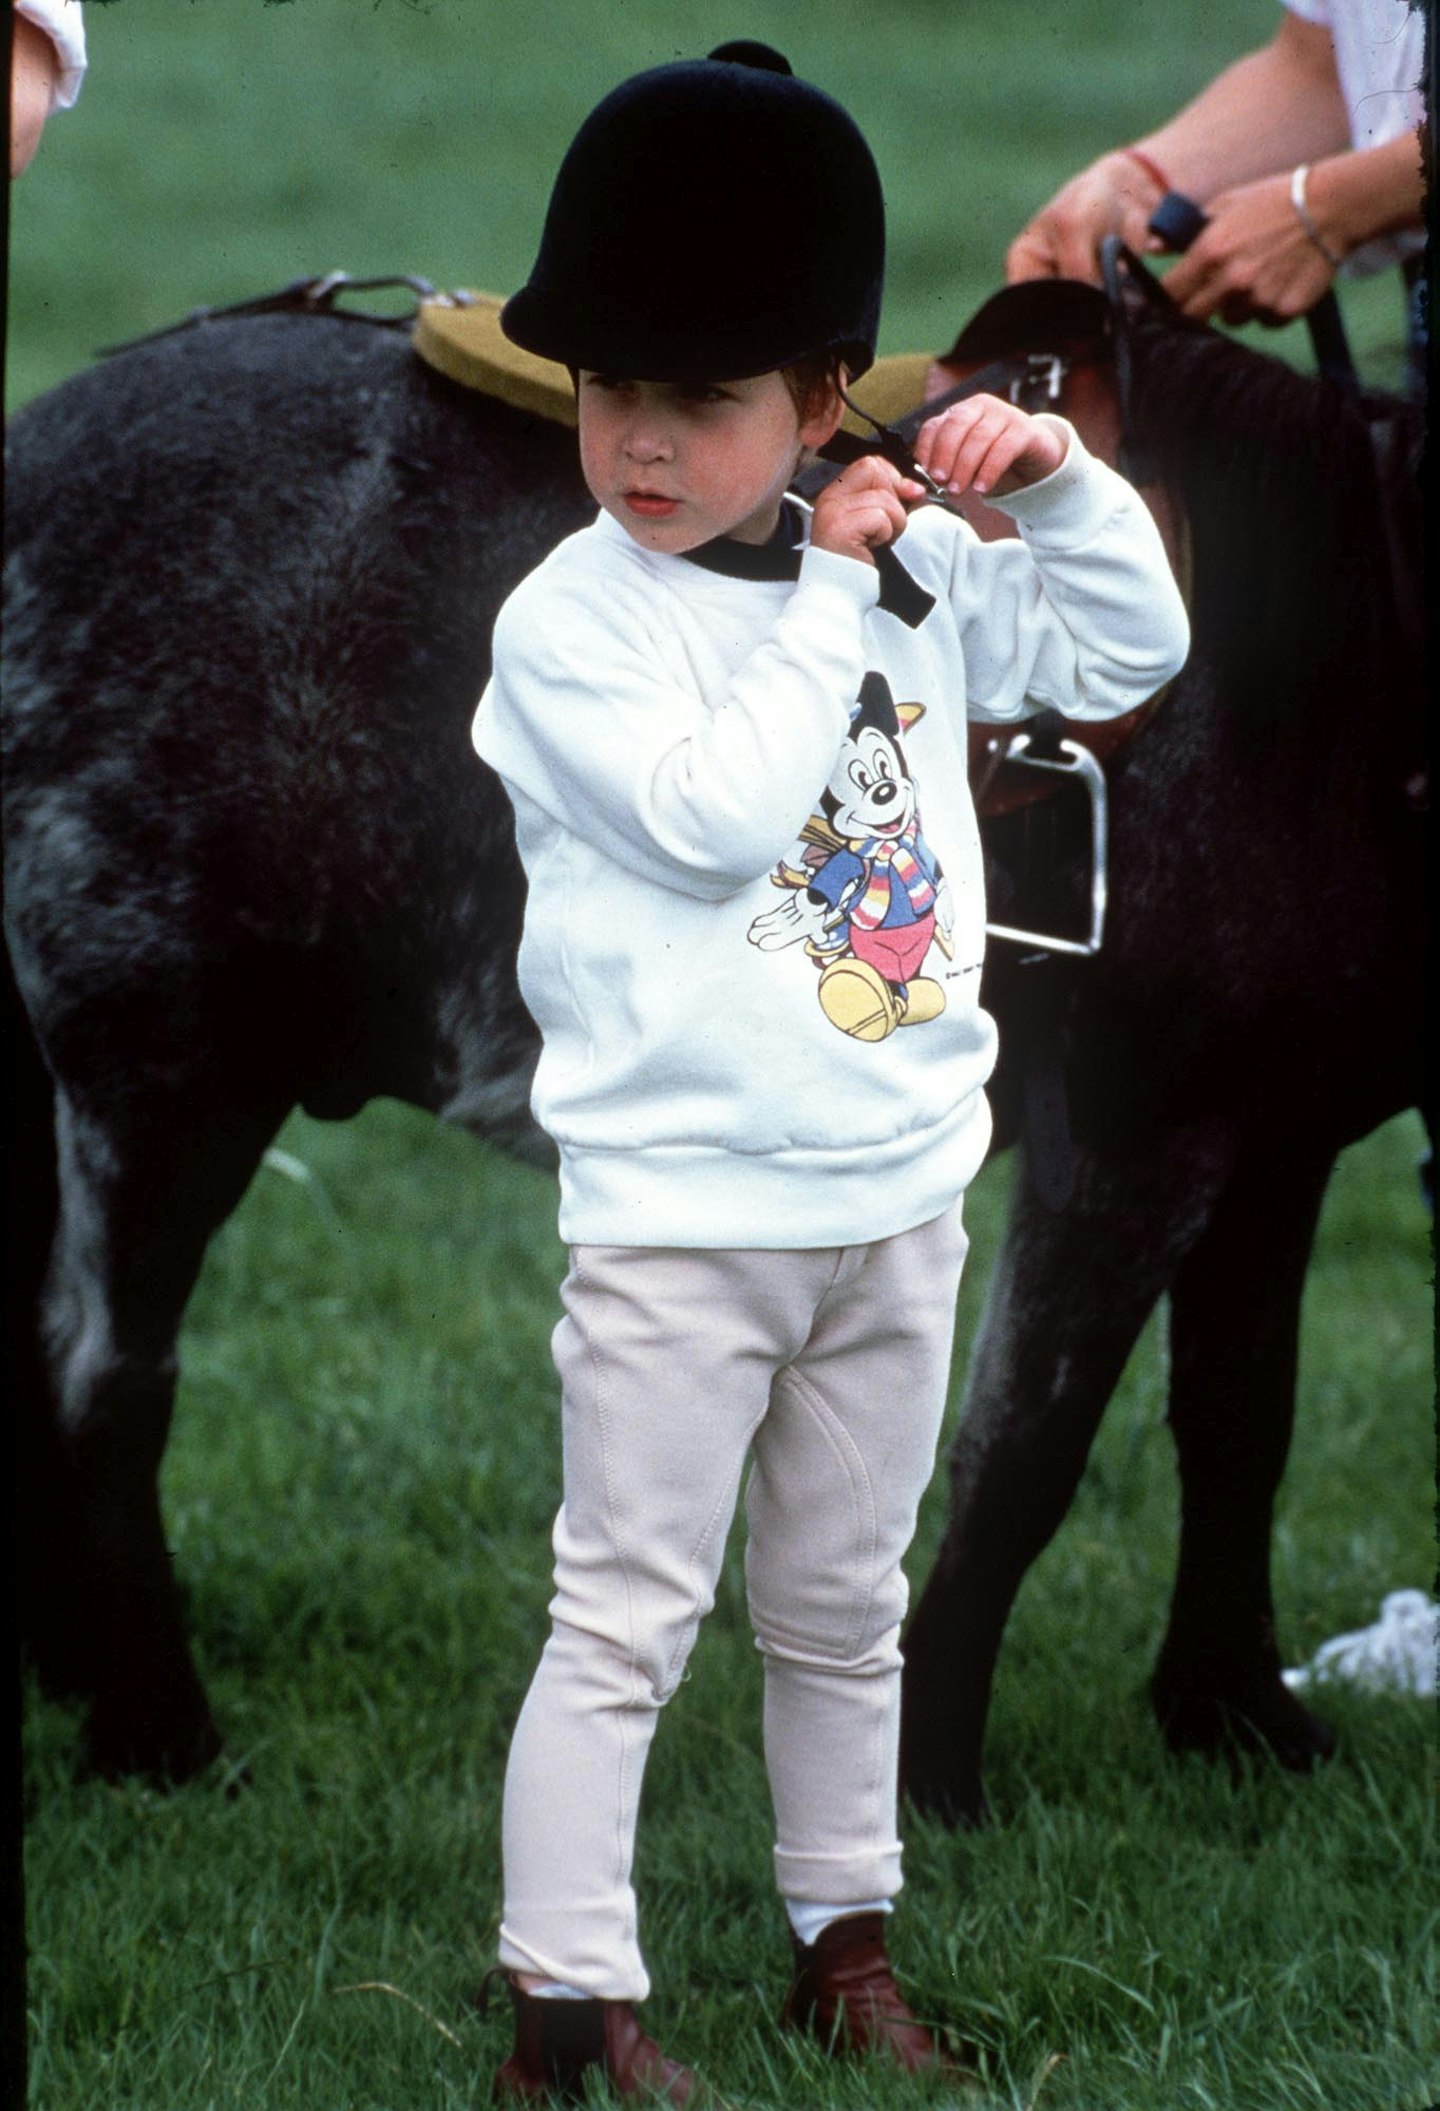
(678, 463)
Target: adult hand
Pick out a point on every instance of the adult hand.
(1268, 110)
(1253, 262)
(1114, 196)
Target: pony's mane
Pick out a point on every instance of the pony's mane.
(1284, 488)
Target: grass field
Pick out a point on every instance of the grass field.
(365, 1460)
(359, 1492)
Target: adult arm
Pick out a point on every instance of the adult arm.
(1257, 260)
(47, 65)
(1271, 109)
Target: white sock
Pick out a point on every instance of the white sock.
(809, 1919)
(557, 1990)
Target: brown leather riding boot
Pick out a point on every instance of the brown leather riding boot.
(844, 1995)
(560, 2045)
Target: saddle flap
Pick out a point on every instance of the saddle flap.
(1067, 316)
(460, 336)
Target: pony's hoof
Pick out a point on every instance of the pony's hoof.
(1265, 1720)
(117, 1748)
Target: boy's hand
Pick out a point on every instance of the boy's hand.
(864, 508)
(988, 446)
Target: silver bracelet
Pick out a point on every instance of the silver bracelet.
(1302, 214)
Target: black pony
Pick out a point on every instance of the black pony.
(1258, 1004)
(251, 863)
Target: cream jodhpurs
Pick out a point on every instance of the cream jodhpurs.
(831, 1368)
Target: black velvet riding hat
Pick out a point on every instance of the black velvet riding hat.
(712, 219)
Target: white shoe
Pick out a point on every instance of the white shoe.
(1396, 1655)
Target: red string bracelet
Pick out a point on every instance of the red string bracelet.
(1153, 171)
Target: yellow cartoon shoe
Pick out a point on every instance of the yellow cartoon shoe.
(923, 999)
(857, 998)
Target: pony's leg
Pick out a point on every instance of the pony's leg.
(140, 1195)
(45, 1604)
(1234, 1338)
(1069, 1295)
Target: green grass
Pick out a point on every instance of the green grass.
(365, 1460)
(359, 1491)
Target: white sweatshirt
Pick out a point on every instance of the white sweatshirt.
(759, 1005)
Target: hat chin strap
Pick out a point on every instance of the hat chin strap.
(892, 445)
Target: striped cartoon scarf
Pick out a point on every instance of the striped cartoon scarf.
(889, 855)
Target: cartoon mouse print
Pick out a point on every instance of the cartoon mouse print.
(870, 897)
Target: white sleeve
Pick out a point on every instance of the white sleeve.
(586, 715)
(1082, 613)
(63, 22)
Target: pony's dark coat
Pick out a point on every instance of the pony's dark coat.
(1258, 1005)
(252, 863)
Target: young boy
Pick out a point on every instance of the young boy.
(757, 983)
